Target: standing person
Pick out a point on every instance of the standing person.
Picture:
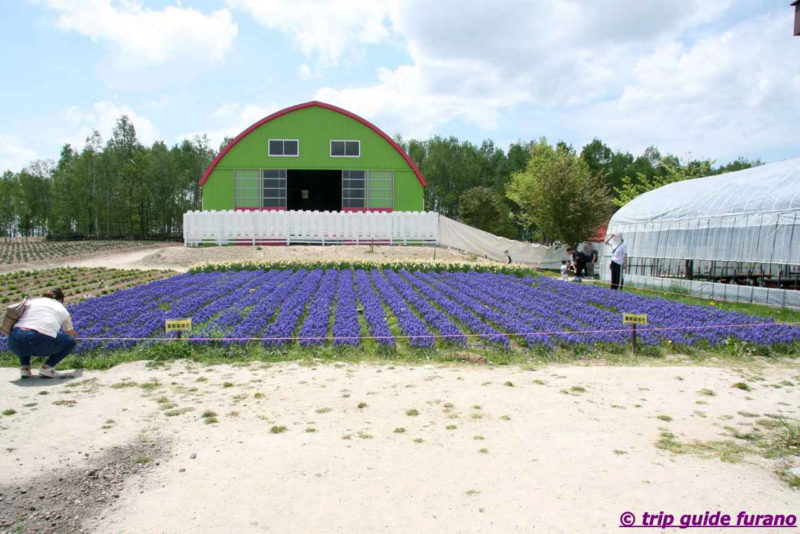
(508, 258)
(37, 334)
(564, 275)
(591, 257)
(619, 260)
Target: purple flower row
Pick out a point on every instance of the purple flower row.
(324, 306)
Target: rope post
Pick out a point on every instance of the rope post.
(633, 336)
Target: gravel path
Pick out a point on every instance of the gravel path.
(65, 500)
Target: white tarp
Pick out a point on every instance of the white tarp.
(462, 237)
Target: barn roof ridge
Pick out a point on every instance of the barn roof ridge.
(304, 105)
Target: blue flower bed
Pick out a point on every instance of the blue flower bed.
(320, 306)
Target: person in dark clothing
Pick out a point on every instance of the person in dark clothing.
(508, 258)
(578, 261)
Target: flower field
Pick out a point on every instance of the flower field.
(22, 251)
(77, 283)
(279, 307)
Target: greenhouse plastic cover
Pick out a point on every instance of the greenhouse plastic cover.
(744, 216)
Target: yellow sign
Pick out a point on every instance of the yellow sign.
(634, 318)
(178, 324)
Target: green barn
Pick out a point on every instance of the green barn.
(313, 156)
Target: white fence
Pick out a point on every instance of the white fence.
(333, 228)
(310, 227)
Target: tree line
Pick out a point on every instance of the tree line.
(120, 189)
(534, 191)
(543, 192)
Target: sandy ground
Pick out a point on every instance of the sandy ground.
(122, 258)
(180, 258)
(492, 449)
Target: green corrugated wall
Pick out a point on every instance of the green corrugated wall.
(314, 127)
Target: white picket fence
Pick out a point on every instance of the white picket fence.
(310, 227)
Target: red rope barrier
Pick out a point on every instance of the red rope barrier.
(502, 334)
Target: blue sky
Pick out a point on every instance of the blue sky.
(707, 78)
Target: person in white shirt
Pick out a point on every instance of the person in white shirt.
(564, 276)
(37, 333)
(619, 260)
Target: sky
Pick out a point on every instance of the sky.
(710, 79)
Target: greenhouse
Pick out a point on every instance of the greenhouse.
(733, 236)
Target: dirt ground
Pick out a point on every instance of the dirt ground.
(382, 447)
(179, 258)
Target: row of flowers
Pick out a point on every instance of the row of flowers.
(343, 306)
(367, 265)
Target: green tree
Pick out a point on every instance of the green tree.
(558, 194)
(482, 208)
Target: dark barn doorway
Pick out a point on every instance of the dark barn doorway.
(314, 190)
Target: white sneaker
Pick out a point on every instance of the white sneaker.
(24, 372)
(48, 372)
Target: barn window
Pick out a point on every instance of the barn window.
(247, 184)
(345, 149)
(381, 189)
(353, 189)
(274, 188)
(284, 147)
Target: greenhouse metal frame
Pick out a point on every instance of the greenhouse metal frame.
(733, 236)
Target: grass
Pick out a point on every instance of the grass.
(124, 384)
(399, 430)
(9, 412)
(706, 392)
(727, 450)
(664, 418)
(413, 412)
(232, 354)
(741, 385)
(362, 405)
(209, 417)
(178, 411)
(278, 429)
(783, 442)
(322, 410)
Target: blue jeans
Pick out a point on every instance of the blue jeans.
(27, 343)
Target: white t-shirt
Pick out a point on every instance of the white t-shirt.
(618, 254)
(46, 316)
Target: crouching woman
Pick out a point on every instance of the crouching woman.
(37, 334)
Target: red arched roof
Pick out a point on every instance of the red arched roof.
(313, 103)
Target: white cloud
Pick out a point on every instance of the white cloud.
(233, 119)
(471, 60)
(14, 155)
(325, 30)
(142, 37)
(103, 116)
(633, 74)
(159, 103)
(729, 94)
